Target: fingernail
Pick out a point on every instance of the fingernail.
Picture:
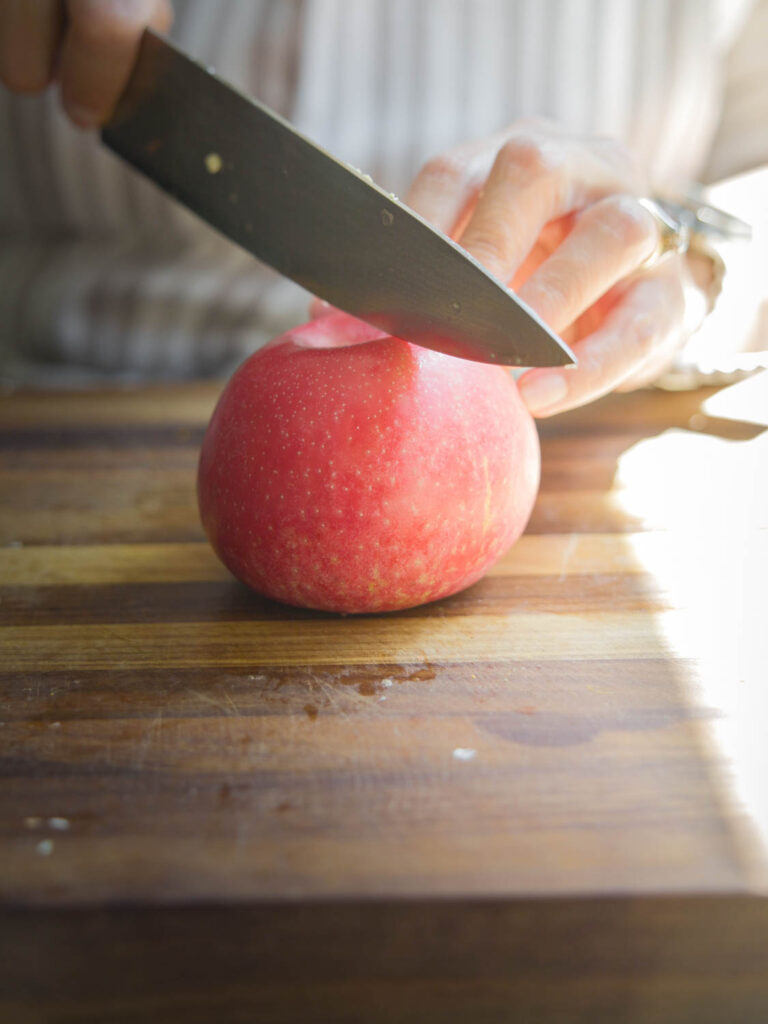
(540, 393)
(83, 117)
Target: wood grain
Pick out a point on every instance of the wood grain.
(556, 555)
(509, 805)
(638, 961)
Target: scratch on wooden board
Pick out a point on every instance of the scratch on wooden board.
(235, 709)
(147, 739)
(334, 700)
(226, 708)
(570, 547)
(344, 702)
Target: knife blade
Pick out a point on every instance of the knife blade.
(251, 175)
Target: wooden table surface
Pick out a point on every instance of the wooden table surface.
(537, 800)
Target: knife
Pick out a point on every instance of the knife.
(251, 175)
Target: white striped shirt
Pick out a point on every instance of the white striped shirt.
(99, 270)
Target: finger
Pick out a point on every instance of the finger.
(697, 305)
(550, 237)
(648, 317)
(610, 239)
(534, 180)
(650, 371)
(100, 46)
(449, 183)
(29, 37)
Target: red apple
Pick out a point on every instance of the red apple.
(364, 477)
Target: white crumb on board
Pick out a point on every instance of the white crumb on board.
(213, 163)
(464, 753)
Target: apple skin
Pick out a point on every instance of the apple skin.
(369, 477)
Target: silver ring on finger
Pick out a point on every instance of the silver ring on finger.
(674, 235)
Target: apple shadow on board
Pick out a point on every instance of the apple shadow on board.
(339, 477)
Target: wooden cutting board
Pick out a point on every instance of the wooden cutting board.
(534, 801)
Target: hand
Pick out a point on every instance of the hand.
(88, 46)
(556, 217)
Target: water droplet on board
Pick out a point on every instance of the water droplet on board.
(456, 307)
(387, 218)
